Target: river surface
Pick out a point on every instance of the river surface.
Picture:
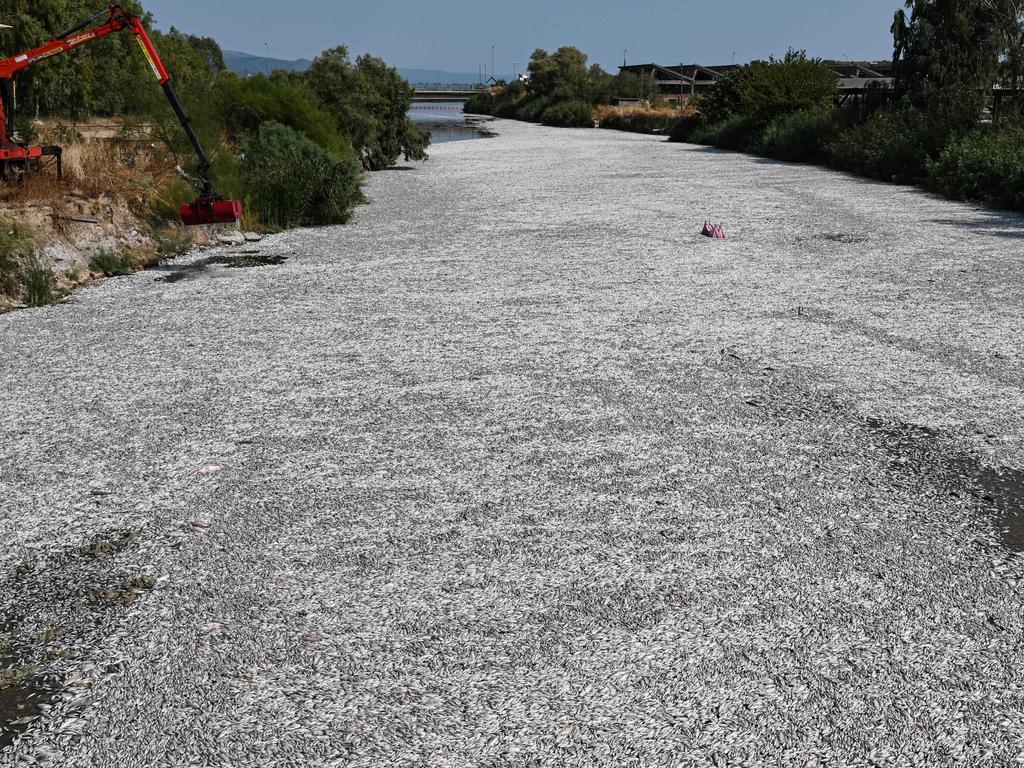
(517, 469)
(446, 122)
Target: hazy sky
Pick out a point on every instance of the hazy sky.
(457, 35)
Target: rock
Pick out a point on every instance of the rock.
(235, 238)
(252, 237)
(209, 469)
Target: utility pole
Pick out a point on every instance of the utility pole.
(515, 65)
(681, 85)
(492, 61)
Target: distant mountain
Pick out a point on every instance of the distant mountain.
(248, 64)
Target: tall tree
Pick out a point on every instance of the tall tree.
(948, 54)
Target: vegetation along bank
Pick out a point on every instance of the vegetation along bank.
(293, 146)
(953, 120)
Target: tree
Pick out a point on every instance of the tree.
(370, 102)
(948, 54)
(764, 90)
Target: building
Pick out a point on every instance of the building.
(673, 83)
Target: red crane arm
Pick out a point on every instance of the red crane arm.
(118, 20)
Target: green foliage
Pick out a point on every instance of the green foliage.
(369, 102)
(39, 284)
(737, 133)
(685, 128)
(639, 123)
(173, 240)
(800, 136)
(561, 86)
(292, 181)
(111, 263)
(948, 55)
(482, 103)
(765, 90)
(17, 247)
(891, 145)
(244, 104)
(569, 114)
(164, 204)
(986, 166)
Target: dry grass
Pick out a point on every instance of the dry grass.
(94, 169)
(641, 118)
(607, 112)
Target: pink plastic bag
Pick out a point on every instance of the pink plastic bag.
(713, 230)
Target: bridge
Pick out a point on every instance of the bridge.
(438, 92)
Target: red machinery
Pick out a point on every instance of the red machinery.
(209, 208)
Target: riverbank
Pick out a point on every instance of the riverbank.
(518, 457)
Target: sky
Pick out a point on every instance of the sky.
(457, 35)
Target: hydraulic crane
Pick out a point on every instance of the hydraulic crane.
(208, 208)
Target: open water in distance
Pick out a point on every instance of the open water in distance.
(445, 121)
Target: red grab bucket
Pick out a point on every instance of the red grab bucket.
(209, 210)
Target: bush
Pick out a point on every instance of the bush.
(111, 264)
(801, 137)
(532, 110)
(369, 102)
(482, 103)
(293, 182)
(571, 114)
(247, 103)
(40, 285)
(686, 128)
(986, 166)
(765, 90)
(17, 247)
(891, 145)
(737, 133)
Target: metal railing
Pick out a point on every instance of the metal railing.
(448, 88)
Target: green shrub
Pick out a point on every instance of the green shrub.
(986, 166)
(737, 133)
(800, 136)
(571, 114)
(685, 128)
(112, 264)
(765, 90)
(17, 247)
(39, 284)
(531, 110)
(173, 240)
(891, 145)
(369, 102)
(247, 103)
(164, 204)
(482, 103)
(293, 182)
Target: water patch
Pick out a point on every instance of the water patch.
(443, 133)
(26, 691)
(997, 491)
(201, 268)
(847, 238)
